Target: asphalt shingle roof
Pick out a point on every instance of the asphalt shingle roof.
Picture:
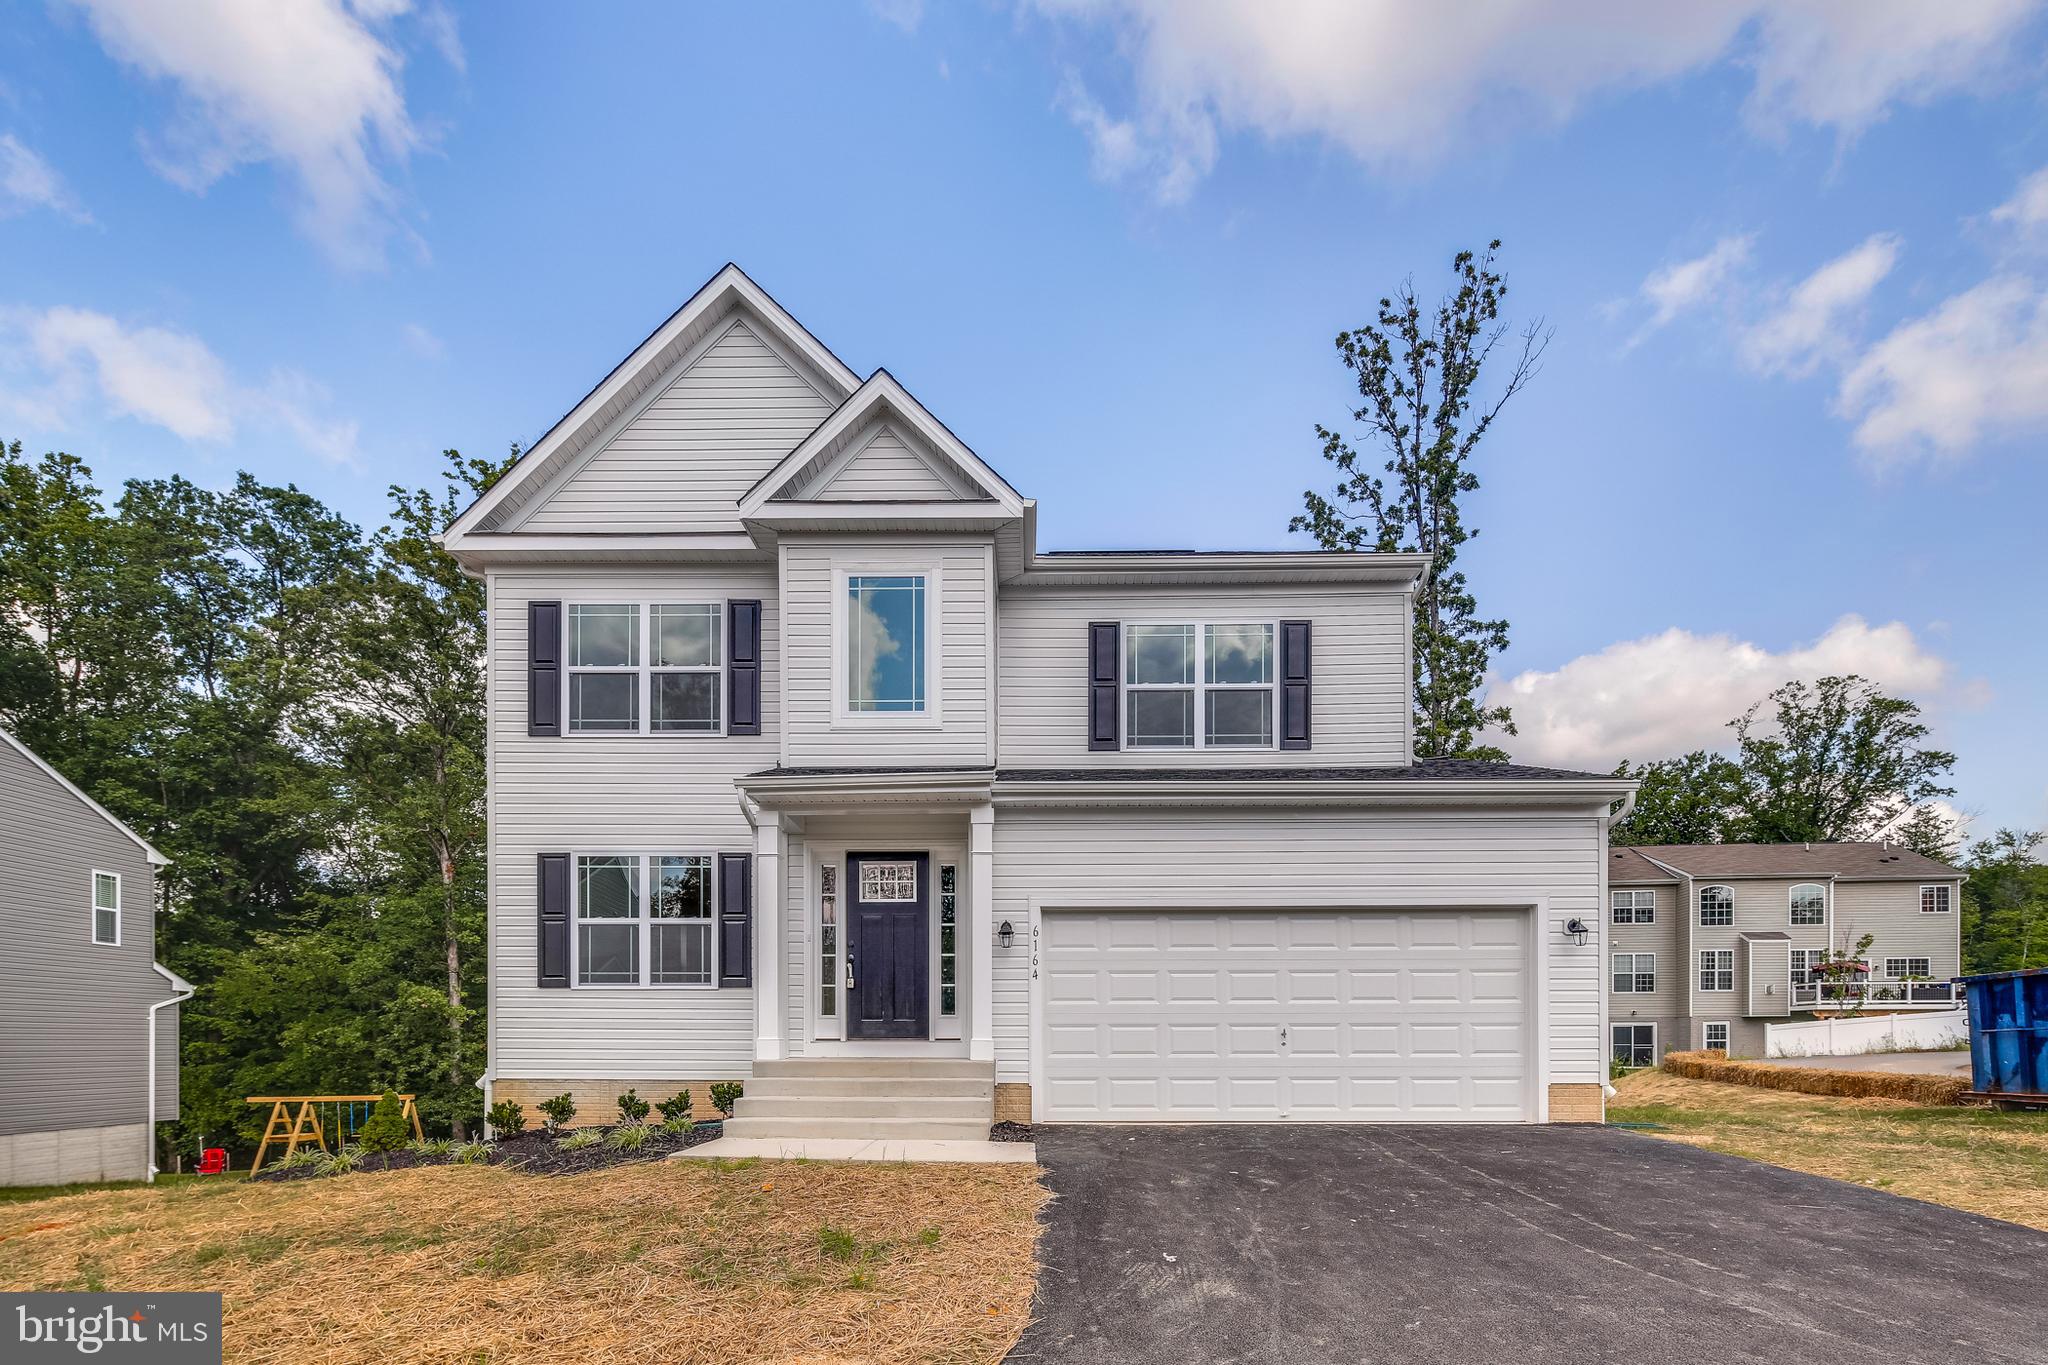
(1846, 862)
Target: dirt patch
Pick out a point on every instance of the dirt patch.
(701, 1261)
(1909, 1087)
(1966, 1156)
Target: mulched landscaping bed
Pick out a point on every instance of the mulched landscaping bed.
(1007, 1131)
(537, 1153)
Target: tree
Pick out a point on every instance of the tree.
(1689, 800)
(1419, 376)
(1929, 832)
(2005, 903)
(1837, 760)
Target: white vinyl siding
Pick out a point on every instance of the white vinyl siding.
(955, 728)
(888, 466)
(627, 794)
(704, 439)
(1360, 707)
(1295, 860)
(1890, 912)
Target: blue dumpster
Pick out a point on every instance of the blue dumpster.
(2009, 1036)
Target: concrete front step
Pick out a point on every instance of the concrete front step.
(898, 1129)
(871, 1105)
(849, 1067)
(827, 1087)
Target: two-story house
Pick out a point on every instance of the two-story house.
(1709, 943)
(809, 768)
(89, 1062)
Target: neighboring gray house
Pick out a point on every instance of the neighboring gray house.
(1708, 943)
(808, 767)
(85, 996)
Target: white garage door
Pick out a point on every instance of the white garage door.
(1253, 1017)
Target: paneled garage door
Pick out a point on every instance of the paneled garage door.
(1254, 1017)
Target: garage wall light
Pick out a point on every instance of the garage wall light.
(1576, 927)
(1006, 935)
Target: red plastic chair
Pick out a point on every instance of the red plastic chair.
(213, 1161)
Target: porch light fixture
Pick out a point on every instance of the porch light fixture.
(1576, 927)
(1006, 935)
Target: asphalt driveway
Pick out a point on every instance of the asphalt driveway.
(1310, 1244)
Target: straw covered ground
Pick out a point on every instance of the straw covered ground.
(671, 1261)
(1966, 1156)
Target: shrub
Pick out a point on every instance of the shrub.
(632, 1109)
(1886, 1085)
(628, 1137)
(578, 1140)
(386, 1130)
(305, 1156)
(681, 1127)
(725, 1094)
(557, 1112)
(472, 1154)
(430, 1147)
(508, 1118)
(343, 1161)
(675, 1107)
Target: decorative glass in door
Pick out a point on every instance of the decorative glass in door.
(828, 941)
(949, 929)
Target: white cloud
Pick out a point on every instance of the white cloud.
(1401, 84)
(1671, 693)
(422, 342)
(2027, 211)
(1807, 326)
(28, 182)
(60, 360)
(1674, 289)
(905, 14)
(305, 84)
(1975, 367)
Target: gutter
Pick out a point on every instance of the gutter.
(186, 991)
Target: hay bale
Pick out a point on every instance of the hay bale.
(1879, 1085)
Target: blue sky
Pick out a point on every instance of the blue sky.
(1792, 420)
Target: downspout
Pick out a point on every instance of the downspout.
(186, 992)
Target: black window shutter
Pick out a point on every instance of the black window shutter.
(544, 668)
(735, 919)
(1104, 650)
(743, 667)
(1296, 685)
(554, 919)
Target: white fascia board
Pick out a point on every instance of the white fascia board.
(729, 286)
(881, 394)
(1593, 797)
(827, 516)
(518, 547)
(791, 790)
(178, 983)
(1276, 567)
(155, 858)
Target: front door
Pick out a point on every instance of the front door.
(888, 986)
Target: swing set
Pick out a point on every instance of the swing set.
(351, 1112)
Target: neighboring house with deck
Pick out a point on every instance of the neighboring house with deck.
(809, 768)
(1708, 943)
(86, 999)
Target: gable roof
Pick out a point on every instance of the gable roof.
(1627, 865)
(156, 858)
(728, 290)
(881, 398)
(1872, 862)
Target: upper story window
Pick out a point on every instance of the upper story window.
(1809, 904)
(1717, 905)
(885, 644)
(1635, 973)
(643, 920)
(1199, 686)
(654, 668)
(1934, 900)
(1717, 969)
(106, 908)
(1634, 907)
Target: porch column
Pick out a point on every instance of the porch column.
(981, 890)
(769, 892)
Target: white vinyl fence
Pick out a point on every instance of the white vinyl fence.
(1879, 1033)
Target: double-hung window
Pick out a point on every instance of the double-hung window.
(1717, 906)
(1714, 1037)
(1899, 968)
(1804, 963)
(646, 668)
(1635, 973)
(1934, 900)
(1634, 907)
(1809, 904)
(106, 908)
(1717, 969)
(644, 920)
(1199, 686)
(886, 645)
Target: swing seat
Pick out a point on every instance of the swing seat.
(213, 1161)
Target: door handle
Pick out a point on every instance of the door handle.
(849, 971)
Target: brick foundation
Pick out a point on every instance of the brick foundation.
(1578, 1104)
(596, 1100)
(1013, 1103)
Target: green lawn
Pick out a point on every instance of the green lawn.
(27, 1194)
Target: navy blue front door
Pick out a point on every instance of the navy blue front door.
(887, 952)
